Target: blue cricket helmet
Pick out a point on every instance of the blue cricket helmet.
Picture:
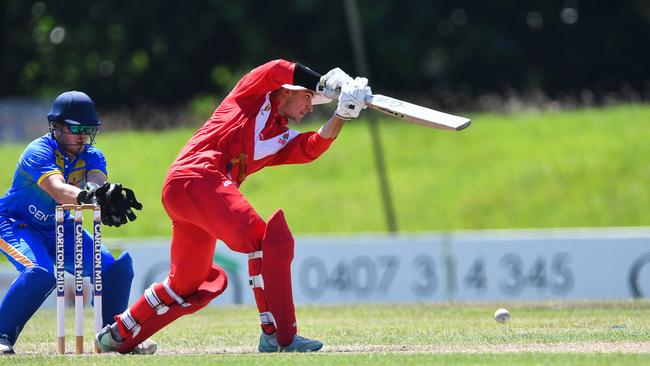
(74, 108)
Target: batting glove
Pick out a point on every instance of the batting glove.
(353, 98)
(331, 82)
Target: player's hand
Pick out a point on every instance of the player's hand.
(119, 203)
(87, 195)
(353, 98)
(331, 83)
(116, 203)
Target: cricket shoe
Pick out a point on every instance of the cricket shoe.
(5, 346)
(106, 342)
(269, 343)
(147, 347)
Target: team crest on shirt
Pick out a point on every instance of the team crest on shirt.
(284, 139)
(77, 177)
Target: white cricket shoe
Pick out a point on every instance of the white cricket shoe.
(5, 347)
(269, 343)
(105, 343)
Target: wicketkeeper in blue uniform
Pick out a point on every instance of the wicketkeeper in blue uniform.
(62, 166)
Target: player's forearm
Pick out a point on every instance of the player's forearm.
(332, 127)
(59, 190)
(66, 194)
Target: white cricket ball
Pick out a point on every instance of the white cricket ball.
(502, 315)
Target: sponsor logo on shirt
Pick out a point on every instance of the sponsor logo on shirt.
(38, 214)
(36, 159)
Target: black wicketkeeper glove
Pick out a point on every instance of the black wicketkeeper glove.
(115, 201)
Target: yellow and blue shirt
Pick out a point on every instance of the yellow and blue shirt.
(25, 201)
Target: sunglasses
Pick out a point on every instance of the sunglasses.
(82, 130)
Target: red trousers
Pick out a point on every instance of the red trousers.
(203, 211)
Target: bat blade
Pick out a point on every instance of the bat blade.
(417, 114)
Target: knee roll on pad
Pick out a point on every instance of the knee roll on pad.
(211, 288)
(278, 243)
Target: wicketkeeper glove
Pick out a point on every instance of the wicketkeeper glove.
(353, 98)
(116, 203)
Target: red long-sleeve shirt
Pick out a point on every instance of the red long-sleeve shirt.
(245, 132)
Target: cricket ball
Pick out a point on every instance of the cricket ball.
(502, 315)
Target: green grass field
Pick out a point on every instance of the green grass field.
(539, 333)
(584, 168)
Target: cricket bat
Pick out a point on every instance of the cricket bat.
(414, 113)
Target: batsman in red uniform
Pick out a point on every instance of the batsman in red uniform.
(247, 132)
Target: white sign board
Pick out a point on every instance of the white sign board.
(489, 265)
(522, 265)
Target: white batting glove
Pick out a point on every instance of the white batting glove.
(331, 82)
(353, 98)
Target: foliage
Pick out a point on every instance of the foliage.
(166, 52)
